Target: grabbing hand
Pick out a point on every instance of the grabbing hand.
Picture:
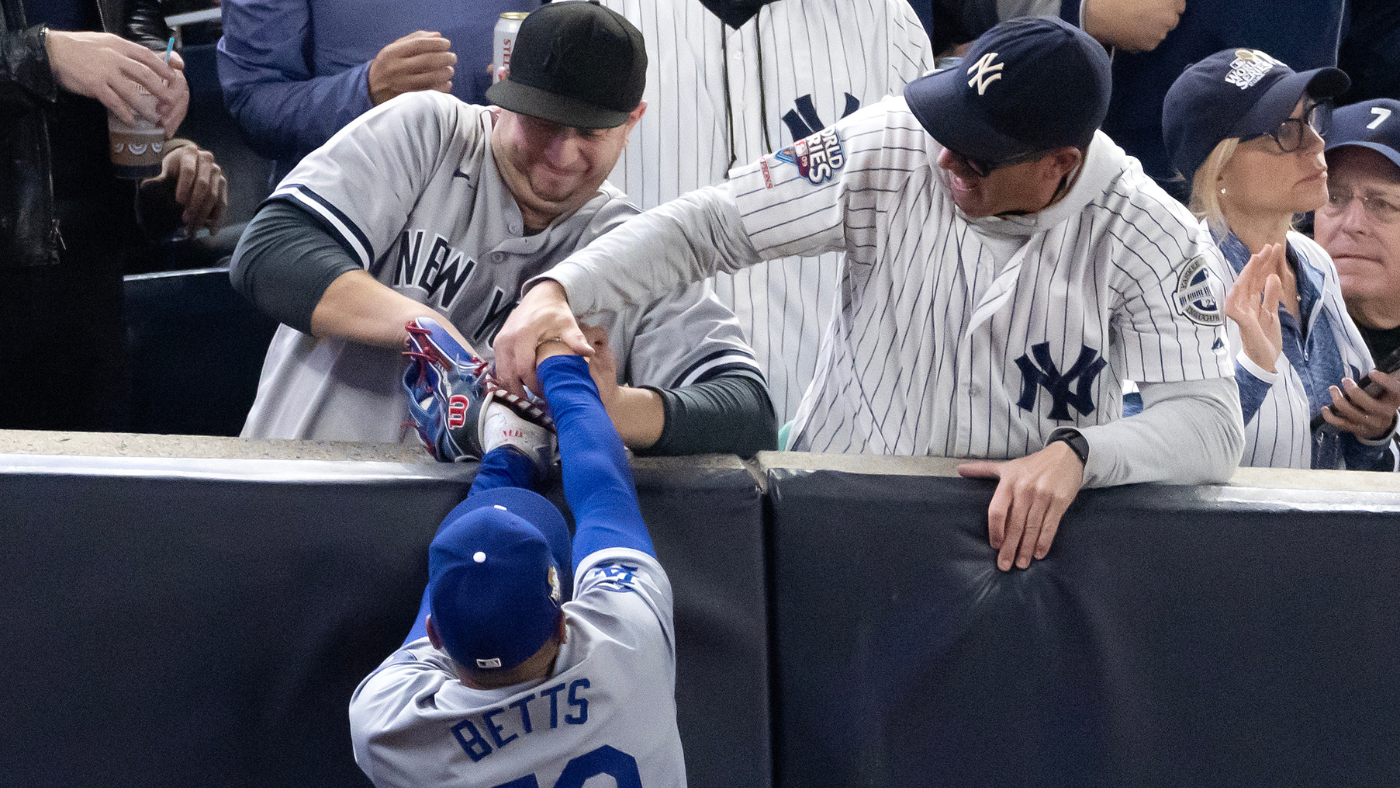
(419, 61)
(1132, 25)
(200, 187)
(1253, 305)
(113, 70)
(543, 314)
(1369, 416)
(1031, 497)
(602, 366)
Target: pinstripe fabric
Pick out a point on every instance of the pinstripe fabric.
(1277, 434)
(938, 313)
(832, 52)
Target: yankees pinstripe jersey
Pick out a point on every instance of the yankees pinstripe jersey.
(412, 192)
(716, 96)
(955, 336)
(608, 709)
(1278, 407)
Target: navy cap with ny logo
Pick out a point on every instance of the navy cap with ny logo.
(1028, 85)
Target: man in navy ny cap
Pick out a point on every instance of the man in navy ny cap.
(1006, 268)
(504, 680)
(1360, 224)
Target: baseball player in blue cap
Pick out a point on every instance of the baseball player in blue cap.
(1245, 130)
(506, 681)
(1006, 268)
(1360, 224)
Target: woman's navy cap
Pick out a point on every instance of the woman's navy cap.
(499, 570)
(1235, 93)
(1371, 124)
(1027, 85)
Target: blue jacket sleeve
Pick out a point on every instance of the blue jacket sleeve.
(265, 71)
(1253, 391)
(597, 476)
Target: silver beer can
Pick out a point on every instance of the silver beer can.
(506, 28)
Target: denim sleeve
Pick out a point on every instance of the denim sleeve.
(1254, 389)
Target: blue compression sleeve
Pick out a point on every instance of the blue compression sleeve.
(501, 467)
(505, 466)
(597, 477)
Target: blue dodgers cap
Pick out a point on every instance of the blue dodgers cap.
(1235, 93)
(1028, 85)
(1371, 124)
(499, 569)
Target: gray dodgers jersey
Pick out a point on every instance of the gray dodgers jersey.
(608, 709)
(796, 66)
(411, 191)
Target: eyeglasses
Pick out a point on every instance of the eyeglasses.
(1378, 209)
(1293, 132)
(982, 168)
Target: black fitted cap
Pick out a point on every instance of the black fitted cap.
(575, 63)
(1028, 85)
(1373, 124)
(1235, 93)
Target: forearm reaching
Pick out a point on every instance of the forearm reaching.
(597, 477)
(1188, 433)
(299, 274)
(730, 414)
(653, 254)
(683, 241)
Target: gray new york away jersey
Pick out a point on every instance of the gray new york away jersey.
(608, 709)
(411, 191)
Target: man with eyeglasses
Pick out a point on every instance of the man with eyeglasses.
(1360, 224)
(1006, 267)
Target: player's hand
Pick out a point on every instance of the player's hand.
(542, 314)
(1134, 25)
(1031, 497)
(1369, 416)
(421, 60)
(602, 366)
(113, 70)
(1253, 305)
(200, 187)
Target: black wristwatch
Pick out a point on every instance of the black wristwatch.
(1075, 440)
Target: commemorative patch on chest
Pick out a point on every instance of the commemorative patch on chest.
(817, 157)
(1197, 295)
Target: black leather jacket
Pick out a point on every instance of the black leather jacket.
(29, 231)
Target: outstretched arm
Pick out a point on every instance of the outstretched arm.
(597, 476)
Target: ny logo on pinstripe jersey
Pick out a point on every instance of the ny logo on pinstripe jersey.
(804, 121)
(1081, 375)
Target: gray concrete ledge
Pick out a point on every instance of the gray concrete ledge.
(121, 444)
(1247, 478)
(105, 444)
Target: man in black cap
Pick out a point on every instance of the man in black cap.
(1007, 267)
(426, 207)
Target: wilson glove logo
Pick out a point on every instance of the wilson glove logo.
(984, 73)
(457, 411)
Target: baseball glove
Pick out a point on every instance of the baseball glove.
(449, 390)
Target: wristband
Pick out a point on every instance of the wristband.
(1075, 440)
